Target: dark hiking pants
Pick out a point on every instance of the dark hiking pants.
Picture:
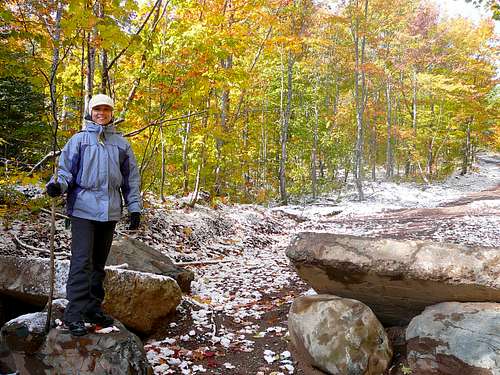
(90, 244)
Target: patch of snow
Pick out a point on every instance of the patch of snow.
(107, 330)
(35, 322)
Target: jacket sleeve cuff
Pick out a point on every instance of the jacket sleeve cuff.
(64, 185)
(134, 207)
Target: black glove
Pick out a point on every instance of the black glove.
(54, 189)
(135, 220)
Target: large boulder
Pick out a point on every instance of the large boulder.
(27, 279)
(338, 335)
(141, 257)
(455, 338)
(139, 300)
(397, 279)
(36, 353)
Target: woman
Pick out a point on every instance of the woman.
(97, 167)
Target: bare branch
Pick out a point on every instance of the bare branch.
(33, 248)
(50, 155)
(202, 262)
(159, 122)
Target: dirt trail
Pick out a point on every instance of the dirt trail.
(245, 303)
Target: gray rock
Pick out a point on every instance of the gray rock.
(397, 279)
(455, 338)
(141, 257)
(338, 335)
(139, 300)
(35, 353)
(27, 279)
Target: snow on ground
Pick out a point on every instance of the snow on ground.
(230, 300)
(381, 196)
(234, 321)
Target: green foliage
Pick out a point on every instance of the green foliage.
(214, 75)
(9, 197)
(25, 137)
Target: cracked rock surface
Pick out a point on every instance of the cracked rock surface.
(455, 338)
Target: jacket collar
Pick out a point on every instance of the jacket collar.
(91, 126)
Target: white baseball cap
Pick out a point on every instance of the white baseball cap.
(100, 99)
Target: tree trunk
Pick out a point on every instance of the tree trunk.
(104, 73)
(82, 78)
(196, 187)
(430, 156)
(104, 55)
(245, 164)
(64, 112)
(373, 146)
(466, 148)
(89, 82)
(360, 93)
(54, 68)
(55, 125)
(163, 175)
(263, 147)
(336, 102)
(284, 128)
(389, 163)
(185, 148)
(314, 183)
(410, 166)
(226, 63)
(414, 102)
(205, 136)
(282, 122)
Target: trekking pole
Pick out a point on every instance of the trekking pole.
(52, 260)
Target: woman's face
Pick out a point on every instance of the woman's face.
(102, 114)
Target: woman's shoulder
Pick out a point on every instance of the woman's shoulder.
(83, 136)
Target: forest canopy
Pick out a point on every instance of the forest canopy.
(252, 100)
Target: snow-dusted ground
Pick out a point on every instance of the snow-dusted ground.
(383, 196)
(230, 300)
(234, 321)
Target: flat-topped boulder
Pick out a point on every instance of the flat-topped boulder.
(141, 257)
(397, 279)
(139, 300)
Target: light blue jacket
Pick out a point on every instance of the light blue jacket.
(96, 168)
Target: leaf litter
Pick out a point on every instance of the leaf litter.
(234, 320)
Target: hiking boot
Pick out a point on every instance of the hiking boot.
(98, 318)
(76, 328)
